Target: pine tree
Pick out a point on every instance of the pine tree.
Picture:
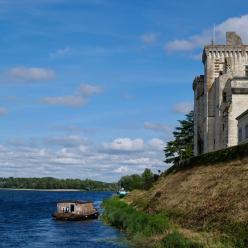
(182, 146)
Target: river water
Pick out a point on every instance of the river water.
(25, 221)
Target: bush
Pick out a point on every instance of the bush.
(121, 215)
(224, 155)
(141, 226)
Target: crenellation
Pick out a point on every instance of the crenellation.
(220, 95)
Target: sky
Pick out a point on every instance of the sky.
(94, 88)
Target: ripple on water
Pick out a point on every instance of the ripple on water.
(25, 221)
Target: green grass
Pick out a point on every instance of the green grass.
(144, 230)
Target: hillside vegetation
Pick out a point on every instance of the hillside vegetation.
(207, 203)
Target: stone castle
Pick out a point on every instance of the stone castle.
(220, 95)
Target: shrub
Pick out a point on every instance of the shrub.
(141, 226)
(224, 155)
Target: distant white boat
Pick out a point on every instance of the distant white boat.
(122, 192)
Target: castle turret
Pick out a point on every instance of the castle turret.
(222, 64)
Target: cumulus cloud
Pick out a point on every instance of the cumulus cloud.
(68, 100)
(73, 157)
(236, 24)
(122, 169)
(89, 89)
(156, 144)
(3, 111)
(183, 107)
(125, 144)
(149, 38)
(31, 74)
(158, 127)
(78, 99)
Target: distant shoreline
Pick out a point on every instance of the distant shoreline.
(52, 190)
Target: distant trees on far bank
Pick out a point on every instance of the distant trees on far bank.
(54, 183)
(135, 181)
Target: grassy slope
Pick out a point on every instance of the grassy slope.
(208, 203)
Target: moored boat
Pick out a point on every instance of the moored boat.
(75, 210)
(122, 192)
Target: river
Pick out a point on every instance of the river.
(25, 221)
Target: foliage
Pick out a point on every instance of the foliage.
(182, 146)
(131, 182)
(142, 227)
(228, 154)
(53, 183)
(135, 181)
(148, 178)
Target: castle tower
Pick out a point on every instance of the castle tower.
(220, 94)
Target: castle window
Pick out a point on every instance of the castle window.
(240, 134)
(246, 70)
(246, 131)
(224, 96)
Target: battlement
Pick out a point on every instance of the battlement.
(234, 48)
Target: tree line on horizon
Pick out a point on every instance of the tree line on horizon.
(54, 183)
(176, 150)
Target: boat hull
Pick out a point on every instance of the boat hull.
(75, 217)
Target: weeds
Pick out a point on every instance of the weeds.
(141, 227)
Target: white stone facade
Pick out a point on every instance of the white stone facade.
(243, 128)
(220, 95)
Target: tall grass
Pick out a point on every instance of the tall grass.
(144, 230)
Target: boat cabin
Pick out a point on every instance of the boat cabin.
(75, 207)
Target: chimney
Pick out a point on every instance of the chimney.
(232, 39)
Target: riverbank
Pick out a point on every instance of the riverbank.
(143, 229)
(207, 204)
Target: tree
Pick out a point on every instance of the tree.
(148, 178)
(182, 146)
(135, 181)
(131, 182)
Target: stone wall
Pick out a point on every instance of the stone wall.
(225, 78)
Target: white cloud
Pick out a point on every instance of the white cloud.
(156, 144)
(68, 100)
(236, 24)
(125, 144)
(73, 157)
(31, 74)
(122, 169)
(3, 111)
(89, 89)
(183, 107)
(78, 99)
(61, 52)
(157, 127)
(149, 38)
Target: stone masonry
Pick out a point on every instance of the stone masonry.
(220, 95)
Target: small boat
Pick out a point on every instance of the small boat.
(122, 192)
(75, 210)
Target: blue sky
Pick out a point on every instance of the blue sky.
(94, 88)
